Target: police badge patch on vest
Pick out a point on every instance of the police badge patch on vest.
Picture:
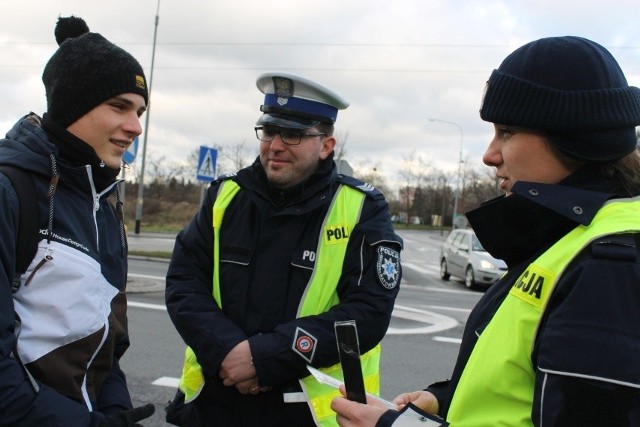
(388, 267)
(304, 344)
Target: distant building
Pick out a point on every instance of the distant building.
(401, 218)
(344, 167)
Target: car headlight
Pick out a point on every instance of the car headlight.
(488, 265)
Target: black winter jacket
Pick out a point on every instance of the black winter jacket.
(70, 319)
(587, 369)
(264, 271)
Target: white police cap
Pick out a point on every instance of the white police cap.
(296, 103)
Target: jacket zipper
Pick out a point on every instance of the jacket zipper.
(47, 257)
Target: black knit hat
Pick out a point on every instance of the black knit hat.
(573, 90)
(87, 70)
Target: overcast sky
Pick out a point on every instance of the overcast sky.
(399, 63)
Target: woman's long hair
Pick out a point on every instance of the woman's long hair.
(623, 173)
(626, 172)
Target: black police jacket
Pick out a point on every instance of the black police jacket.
(266, 239)
(587, 369)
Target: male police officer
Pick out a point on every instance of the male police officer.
(277, 254)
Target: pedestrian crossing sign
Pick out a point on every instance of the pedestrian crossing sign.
(130, 155)
(207, 164)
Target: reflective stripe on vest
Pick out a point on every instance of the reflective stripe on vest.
(319, 296)
(497, 384)
(192, 378)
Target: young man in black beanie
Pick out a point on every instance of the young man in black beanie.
(63, 325)
(555, 342)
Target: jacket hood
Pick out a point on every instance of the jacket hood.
(27, 146)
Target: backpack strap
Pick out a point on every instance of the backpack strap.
(27, 242)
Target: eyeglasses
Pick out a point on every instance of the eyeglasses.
(288, 137)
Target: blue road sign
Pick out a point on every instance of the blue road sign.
(130, 155)
(207, 164)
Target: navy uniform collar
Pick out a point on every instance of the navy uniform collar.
(254, 179)
(576, 204)
(516, 227)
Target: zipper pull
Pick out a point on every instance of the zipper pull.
(38, 266)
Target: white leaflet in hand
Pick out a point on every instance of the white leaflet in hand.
(335, 383)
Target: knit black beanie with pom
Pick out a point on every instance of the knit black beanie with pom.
(570, 88)
(85, 71)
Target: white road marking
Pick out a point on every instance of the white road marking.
(448, 339)
(435, 322)
(424, 269)
(167, 382)
(146, 305)
(146, 276)
(434, 289)
(440, 307)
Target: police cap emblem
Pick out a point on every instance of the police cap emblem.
(283, 86)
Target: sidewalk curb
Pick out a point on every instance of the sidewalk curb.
(137, 285)
(140, 284)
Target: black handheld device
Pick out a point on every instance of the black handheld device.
(349, 350)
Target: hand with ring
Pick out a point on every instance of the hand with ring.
(249, 386)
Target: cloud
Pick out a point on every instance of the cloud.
(398, 63)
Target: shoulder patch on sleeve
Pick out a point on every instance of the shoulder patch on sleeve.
(304, 344)
(366, 188)
(388, 267)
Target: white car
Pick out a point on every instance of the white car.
(463, 256)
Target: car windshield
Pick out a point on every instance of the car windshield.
(476, 245)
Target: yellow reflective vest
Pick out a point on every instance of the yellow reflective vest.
(497, 384)
(319, 296)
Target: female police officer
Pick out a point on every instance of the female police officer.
(277, 254)
(555, 342)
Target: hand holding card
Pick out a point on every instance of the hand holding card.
(349, 350)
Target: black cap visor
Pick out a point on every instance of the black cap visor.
(286, 121)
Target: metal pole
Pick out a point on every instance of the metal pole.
(444, 181)
(123, 184)
(457, 193)
(146, 129)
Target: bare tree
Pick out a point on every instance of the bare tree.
(480, 185)
(161, 170)
(374, 177)
(230, 158)
(158, 169)
(341, 145)
(432, 197)
(445, 197)
(414, 170)
(236, 156)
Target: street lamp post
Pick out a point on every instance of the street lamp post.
(146, 130)
(457, 193)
